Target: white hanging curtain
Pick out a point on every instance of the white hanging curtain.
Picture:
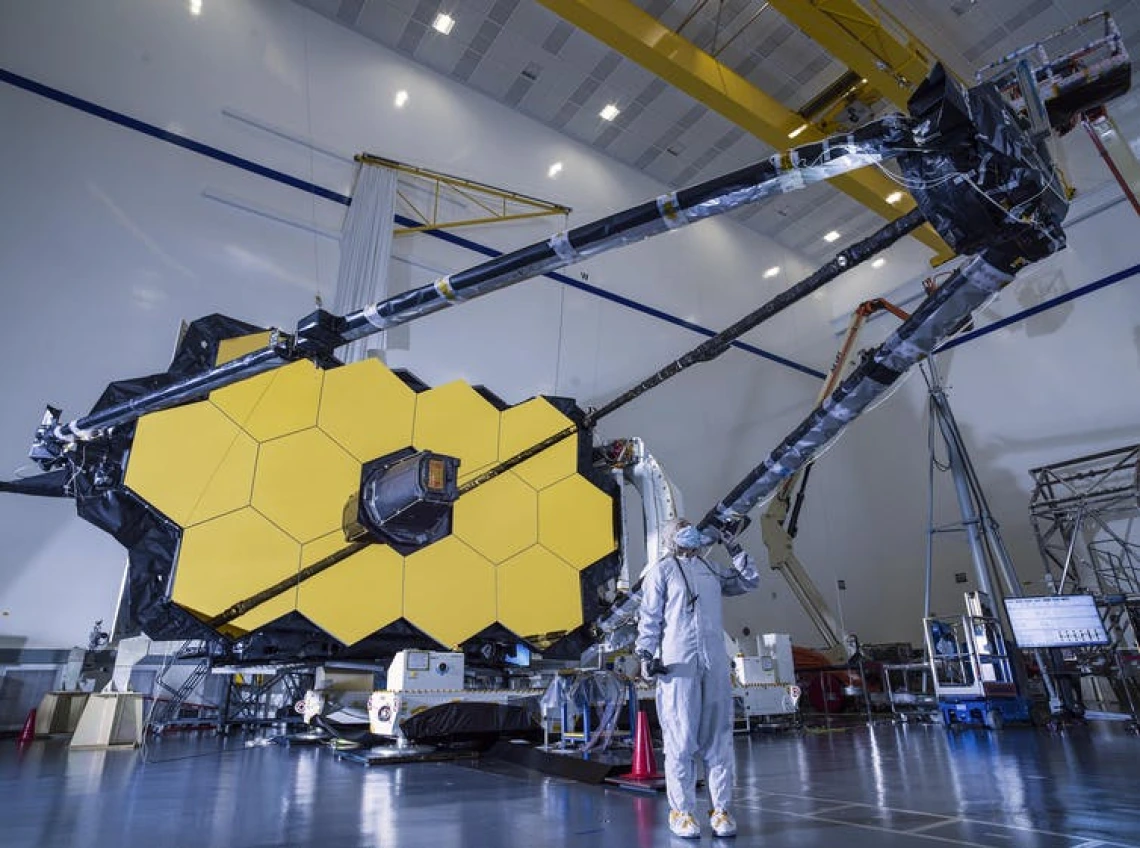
(365, 251)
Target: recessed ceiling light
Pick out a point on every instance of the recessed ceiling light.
(443, 23)
(195, 7)
(401, 99)
(797, 130)
(879, 263)
(554, 170)
(894, 197)
(830, 237)
(609, 112)
(771, 272)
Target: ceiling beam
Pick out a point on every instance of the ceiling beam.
(643, 39)
(859, 40)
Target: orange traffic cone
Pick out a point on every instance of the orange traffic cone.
(644, 766)
(28, 734)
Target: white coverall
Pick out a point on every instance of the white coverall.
(694, 697)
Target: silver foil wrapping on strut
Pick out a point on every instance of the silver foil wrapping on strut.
(560, 244)
(938, 316)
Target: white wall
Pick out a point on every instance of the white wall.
(108, 240)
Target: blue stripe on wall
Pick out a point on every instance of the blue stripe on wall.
(169, 137)
(252, 167)
(1103, 282)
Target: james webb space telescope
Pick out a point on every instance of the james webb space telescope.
(310, 509)
(282, 504)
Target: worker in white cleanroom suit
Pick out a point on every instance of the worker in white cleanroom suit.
(681, 619)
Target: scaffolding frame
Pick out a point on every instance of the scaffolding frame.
(1075, 509)
(1084, 514)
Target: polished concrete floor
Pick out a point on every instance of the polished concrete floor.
(891, 786)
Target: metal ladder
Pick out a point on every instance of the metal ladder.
(166, 710)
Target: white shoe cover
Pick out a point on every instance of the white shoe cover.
(722, 822)
(684, 825)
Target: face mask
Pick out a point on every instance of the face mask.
(690, 537)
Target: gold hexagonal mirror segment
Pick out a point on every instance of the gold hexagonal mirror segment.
(539, 595)
(449, 591)
(191, 462)
(528, 424)
(303, 482)
(367, 409)
(231, 558)
(499, 518)
(357, 596)
(576, 521)
(275, 403)
(456, 420)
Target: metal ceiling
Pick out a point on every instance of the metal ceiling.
(538, 64)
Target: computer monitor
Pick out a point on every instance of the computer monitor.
(1056, 621)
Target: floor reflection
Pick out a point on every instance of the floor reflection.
(896, 785)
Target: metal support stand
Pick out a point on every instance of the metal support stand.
(993, 567)
(1126, 685)
(258, 701)
(866, 692)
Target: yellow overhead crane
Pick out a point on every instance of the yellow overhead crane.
(859, 39)
(643, 39)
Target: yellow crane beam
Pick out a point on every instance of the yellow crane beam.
(643, 39)
(859, 40)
